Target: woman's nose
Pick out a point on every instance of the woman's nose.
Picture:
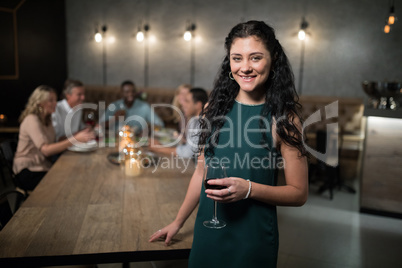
(246, 67)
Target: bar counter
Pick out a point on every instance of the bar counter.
(381, 181)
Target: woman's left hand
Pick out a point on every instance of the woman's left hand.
(235, 189)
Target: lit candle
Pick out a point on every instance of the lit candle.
(132, 167)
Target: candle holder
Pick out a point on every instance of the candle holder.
(126, 138)
(133, 162)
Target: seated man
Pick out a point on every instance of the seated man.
(130, 111)
(74, 93)
(192, 107)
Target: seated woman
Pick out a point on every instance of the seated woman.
(178, 101)
(36, 142)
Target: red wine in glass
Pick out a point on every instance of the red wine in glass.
(90, 123)
(213, 187)
(90, 119)
(213, 172)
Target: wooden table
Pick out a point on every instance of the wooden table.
(86, 211)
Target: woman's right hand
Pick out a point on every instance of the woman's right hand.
(167, 233)
(85, 135)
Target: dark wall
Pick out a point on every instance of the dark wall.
(41, 49)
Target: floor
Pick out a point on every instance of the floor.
(327, 233)
(333, 234)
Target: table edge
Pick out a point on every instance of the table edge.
(95, 258)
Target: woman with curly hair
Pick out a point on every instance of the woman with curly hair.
(36, 140)
(252, 126)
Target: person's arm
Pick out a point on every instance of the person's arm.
(189, 204)
(62, 138)
(293, 193)
(157, 147)
(41, 140)
(190, 148)
(164, 150)
(49, 149)
(186, 150)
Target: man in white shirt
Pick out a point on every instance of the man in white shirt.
(74, 93)
(192, 107)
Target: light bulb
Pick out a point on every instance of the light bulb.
(302, 35)
(387, 28)
(391, 19)
(98, 37)
(187, 36)
(140, 36)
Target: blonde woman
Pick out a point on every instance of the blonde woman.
(178, 100)
(36, 141)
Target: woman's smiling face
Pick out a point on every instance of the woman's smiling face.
(250, 63)
(49, 105)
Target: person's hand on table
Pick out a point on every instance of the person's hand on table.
(166, 233)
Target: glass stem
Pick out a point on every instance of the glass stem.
(215, 218)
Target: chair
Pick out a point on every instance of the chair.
(10, 201)
(331, 173)
(7, 151)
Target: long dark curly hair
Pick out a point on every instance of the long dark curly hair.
(281, 99)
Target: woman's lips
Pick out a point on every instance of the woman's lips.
(247, 78)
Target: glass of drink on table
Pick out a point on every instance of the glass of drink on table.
(89, 119)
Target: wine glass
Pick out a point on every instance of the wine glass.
(212, 172)
(89, 119)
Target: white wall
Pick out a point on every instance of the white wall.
(346, 44)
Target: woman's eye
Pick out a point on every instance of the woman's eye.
(236, 59)
(256, 58)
